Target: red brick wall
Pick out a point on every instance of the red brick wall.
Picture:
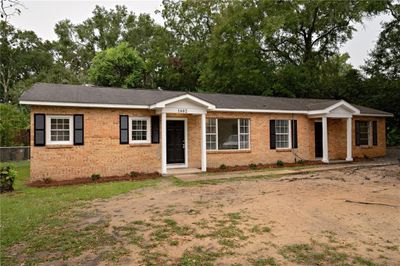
(103, 154)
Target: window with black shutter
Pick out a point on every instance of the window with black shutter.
(123, 129)
(39, 124)
(374, 133)
(155, 129)
(78, 130)
(294, 134)
(272, 136)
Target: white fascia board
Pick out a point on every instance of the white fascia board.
(376, 115)
(260, 111)
(89, 105)
(162, 104)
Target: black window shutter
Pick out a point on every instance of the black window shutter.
(78, 130)
(294, 133)
(374, 133)
(155, 129)
(39, 121)
(357, 133)
(123, 129)
(272, 138)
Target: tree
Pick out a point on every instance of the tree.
(191, 23)
(13, 120)
(119, 67)
(23, 55)
(9, 8)
(385, 58)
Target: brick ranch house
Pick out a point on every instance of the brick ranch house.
(81, 130)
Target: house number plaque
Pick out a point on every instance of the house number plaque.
(182, 111)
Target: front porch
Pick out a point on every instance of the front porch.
(176, 144)
(334, 116)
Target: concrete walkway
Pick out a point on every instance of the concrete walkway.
(282, 171)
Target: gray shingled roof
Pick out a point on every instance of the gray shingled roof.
(47, 92)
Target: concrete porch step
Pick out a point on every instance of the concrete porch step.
(183, 171)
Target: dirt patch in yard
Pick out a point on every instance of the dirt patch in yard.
(310, 219)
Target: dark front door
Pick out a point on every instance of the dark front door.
(175, 141)
(318, 139)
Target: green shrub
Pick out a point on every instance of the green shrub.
(222, 167)
(301, 161)
(279, 163)
(7, 178)
(47, 180)
(253, 166)
(95, 177)
(134, 174)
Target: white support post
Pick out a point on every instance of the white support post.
(163, 143)
(203, 144)
(349, 156)
(325, 152)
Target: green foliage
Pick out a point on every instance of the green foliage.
(22, 54)
(253, 166)
(280, 163)
(95, 177)
(278, 48)
(7, 178)
(117, 67)
(14, 120)
(222, 167)
(134, 174)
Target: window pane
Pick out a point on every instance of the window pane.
(210, 125)
(59, 129)
(282, 133)
(211, 142)
(227, 134)
(139, 130)
(244, 141)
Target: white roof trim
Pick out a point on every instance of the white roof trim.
(327, 110)
(377, 115)
(162, 104)
(260, 111)
(90, 105)
(209, 106)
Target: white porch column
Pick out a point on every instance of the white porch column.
(163, 143)
(349, 156)
(203, 143)
(325, 156)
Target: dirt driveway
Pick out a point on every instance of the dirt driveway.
(311, 219)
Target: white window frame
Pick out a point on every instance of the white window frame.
(238, 133)
(148, 129)
(369, 134)
(289, 135)
(48, 130)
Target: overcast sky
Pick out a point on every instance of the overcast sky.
(41, 16)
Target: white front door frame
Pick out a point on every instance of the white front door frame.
(177, 165)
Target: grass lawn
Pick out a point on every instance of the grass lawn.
(26, 209)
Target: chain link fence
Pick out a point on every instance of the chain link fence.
(18, 153)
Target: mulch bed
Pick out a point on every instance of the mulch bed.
(88, 180)
(260, 166)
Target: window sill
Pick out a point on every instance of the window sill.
(284, 150)
(139, 144)
(59, 146)
(366, 147)
(228, 151)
